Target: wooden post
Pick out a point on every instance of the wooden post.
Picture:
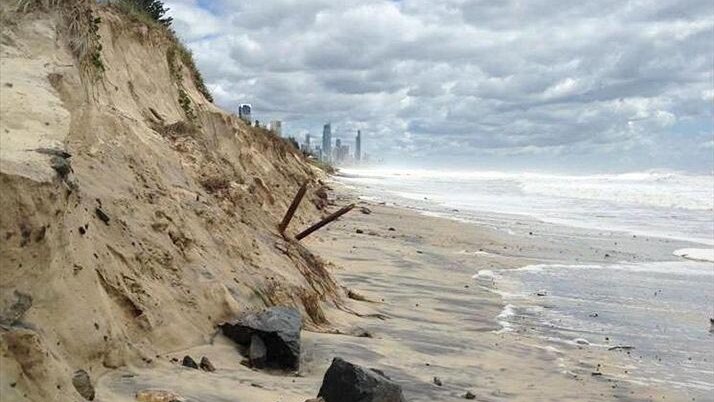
(324, 222)
(293, 207)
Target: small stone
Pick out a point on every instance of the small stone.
(469, 395)
(365, 210)
(359, 231)
(392, 229)
(206, 365)
(102, 215)
(189, 362)
(437, 381)
(83, 384)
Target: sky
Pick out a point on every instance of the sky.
(541, 85)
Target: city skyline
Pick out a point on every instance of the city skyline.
(537, 86)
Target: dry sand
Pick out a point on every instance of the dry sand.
(426, 319)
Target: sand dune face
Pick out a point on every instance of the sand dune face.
(164, 226)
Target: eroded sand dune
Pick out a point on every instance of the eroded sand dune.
(166, 222)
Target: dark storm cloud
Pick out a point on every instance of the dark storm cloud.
(427, 79)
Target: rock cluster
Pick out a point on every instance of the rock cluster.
(272, 337)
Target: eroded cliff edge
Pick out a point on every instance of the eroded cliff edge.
(135, 213)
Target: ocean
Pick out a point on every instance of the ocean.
(656, 312)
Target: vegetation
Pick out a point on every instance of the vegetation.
(152, 13)
(154, 9)
(185, 103)
(79, 26)
(322, 165)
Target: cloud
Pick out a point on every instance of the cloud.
(621, 85)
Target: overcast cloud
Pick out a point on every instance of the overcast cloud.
(539, 85)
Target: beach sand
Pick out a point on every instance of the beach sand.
(424, 316)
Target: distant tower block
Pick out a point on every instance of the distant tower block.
(244, 112)
(327, 142)
(358, 146)
(276, 126)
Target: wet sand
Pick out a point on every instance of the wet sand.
(426, 317)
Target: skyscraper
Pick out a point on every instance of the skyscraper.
(307, 141)
(276, 126)
(244, 112)
(358, 147)
(327, 142)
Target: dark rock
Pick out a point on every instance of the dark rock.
(392, 229)
(437, 381)
(359, 231)
(61, 165)
(189, 362)
(15, 311)
(279, 330)
(365, 210)
(257, 352)
(347, 382)
(102, 215)
(83, 384)
(321, 193)
(469, 395)
(206, 365)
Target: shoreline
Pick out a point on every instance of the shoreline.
(416, 313)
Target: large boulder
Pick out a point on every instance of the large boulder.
(272, 337)
(347, 382)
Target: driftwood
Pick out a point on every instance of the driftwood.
(293, 207)
(324, 222)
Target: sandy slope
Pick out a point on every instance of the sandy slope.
(193, 199)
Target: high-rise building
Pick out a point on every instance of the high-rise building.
(276, 126)
(358, 147)
(244, 112)
(307, 141)
(327, 142)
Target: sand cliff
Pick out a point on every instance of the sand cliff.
(160, 224)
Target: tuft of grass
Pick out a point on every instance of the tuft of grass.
(186, 57)
(78, 25)
(176, 55)
(186, 105)
(131, 9)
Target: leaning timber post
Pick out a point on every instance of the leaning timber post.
(293, 207)
(324, 222)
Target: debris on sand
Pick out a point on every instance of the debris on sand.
(469, 395)
(621, 347)
(272, 336)
(83, 384)
(206, 365)
(189, 362)
(102, 215)
(347, 382)
(437, 381)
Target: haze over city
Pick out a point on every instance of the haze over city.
(540, 85)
